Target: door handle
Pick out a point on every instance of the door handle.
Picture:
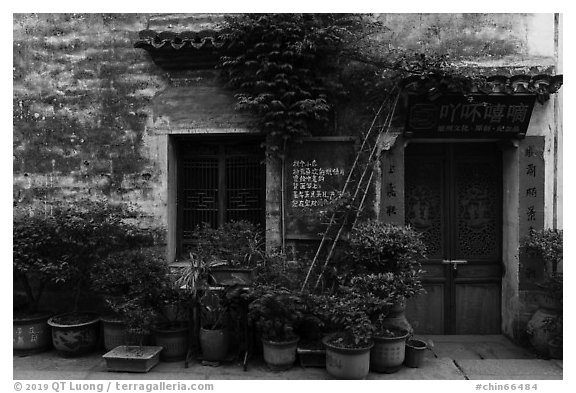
(454, 262)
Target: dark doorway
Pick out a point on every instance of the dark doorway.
(453, 196)
(219, 181)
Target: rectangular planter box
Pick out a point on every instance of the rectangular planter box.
(232, 276)
(132, 358)
(312, 357)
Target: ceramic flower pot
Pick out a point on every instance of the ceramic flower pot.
(173, 338)
(415, 352)
(75, 334)
(396, 318)
(114, 333)
(280, 355)
(537, 332)
(347, 363)
(388, 353)
(214, 344)
(31, 334)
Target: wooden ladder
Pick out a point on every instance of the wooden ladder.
(356, 186)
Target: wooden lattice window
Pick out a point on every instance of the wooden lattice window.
(219, 182)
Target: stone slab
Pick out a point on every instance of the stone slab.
(533, 369)
(477, 347)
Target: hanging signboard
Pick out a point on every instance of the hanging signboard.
(316, 171)
(471, 116)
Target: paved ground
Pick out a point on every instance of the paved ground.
(451, 358)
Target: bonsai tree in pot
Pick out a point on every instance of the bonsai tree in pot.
(348, 348)
(124, 279)
(87, 231)
(140, 319)
(36, 264)
(547, 245)
(276, 313)
(373, 247)
(135, 297)
(231, 252)
(382, 290)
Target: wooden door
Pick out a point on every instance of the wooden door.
(453, 197)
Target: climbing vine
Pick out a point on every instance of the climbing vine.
(282, 69)
(292, 70)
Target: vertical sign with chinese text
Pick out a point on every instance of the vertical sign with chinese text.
(392, 205)
(531, 203)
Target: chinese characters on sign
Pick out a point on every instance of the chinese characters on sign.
(309, 184)
(392, 188)
(315, 173)
(531, 198)
(462, 115)
(531, 191)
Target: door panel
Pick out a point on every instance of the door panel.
(453, 197)
(426, 312)
(477, 204)
(425, 204)
(477, 308)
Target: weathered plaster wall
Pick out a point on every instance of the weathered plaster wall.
(84, 98)
(470, 36)
(81, 101)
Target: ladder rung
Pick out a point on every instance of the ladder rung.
(360, 189)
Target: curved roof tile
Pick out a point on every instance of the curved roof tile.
(204, 39)
(541, 85)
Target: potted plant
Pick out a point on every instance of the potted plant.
(231, 252)
(276, 313)
(136, 298)
(35, 265)
(547, 245)
(127, 275)
(380, 292)
(348, 348)
(373, 247)
(554, 327)
(88, 231)
(214, 335)
(173, 330)
(139, 319)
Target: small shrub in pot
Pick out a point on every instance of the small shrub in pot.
(276, 313)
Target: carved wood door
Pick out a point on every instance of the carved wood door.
(453, 197)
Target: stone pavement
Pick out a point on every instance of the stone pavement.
(491, 357)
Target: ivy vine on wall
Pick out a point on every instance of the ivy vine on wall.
(282, 69)
(291, 71)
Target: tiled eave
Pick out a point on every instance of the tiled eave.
(151, 40)
(183, 50)
(540, 85)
